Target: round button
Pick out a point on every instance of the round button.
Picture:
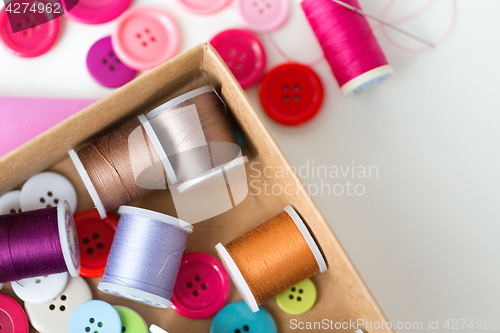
(204, 7)
(95, 316)
(145, 38)
(97, 11)
(299, 299)
(243, 53)
(10, 203)
(40, 289)
(105, 67)
(53, 316)
(12, 317)
(264, 15)
(291, 94)
(132, 322)
(237, 317)
(31, 42)
(45, 190)
(202, 286)
(95, 236)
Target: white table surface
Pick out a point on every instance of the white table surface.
(425, 235)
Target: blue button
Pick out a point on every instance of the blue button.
(95, 316)
(237, 317)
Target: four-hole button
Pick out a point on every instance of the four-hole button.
(298, 299)
(238, 318)
(264, 15)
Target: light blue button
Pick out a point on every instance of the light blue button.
(95, 317)
(238, 318)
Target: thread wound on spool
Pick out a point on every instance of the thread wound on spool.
(350, 47)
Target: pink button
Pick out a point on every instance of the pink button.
(202, 286)
(31, 42)
(264, 15)
(145, 38)
(12, 317)
(244, 55)
(97, 11)
(204, 7)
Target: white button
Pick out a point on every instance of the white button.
(1, 285)
(40, 289)
(47, 189)
(53, 316)
(10, 203)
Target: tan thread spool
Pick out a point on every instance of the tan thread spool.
(272, 258)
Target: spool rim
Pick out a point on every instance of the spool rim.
(88, 183)
(348, 89)
(237, 277)
(129, 210)
(179, 99)
(68, 238)
(134, 294)
(156, 329)
(308, 237)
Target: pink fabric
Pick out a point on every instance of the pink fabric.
(22, 119)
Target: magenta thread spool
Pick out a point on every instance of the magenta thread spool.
(350, 47)
(37, 243)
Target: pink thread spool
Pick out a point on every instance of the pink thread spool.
(350, 47)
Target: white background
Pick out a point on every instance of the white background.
(425, 235)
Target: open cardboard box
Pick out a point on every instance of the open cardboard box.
(342, 295)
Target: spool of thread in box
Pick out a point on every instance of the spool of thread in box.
(145, 256)
(350, 47)
(271, 258)
(37, 243)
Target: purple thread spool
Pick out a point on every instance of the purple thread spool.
(38, 243)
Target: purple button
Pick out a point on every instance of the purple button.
(105, 67)
(202, 286)
(264, 15)
(243, 53)
(97, 11)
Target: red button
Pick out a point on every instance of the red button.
(202, 286)
(31, 42)
(291, 94)
(95, 236)
(12, 317)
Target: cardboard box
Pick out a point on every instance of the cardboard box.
(342, 295)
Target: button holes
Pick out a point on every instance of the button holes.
(204, 286)
(238, 66)
(189, 285)
(286, 87)
(56, 201)
(255, 3)
(20, 24)
(197, 278)
(111, 54)
(153, 39)
(296, 87)
(146, 30)
(28, 19)
(52, 307)
(123, 329)
(296, 98)
(91, 320)
(301, 291)
(195, 293)
(96, 331)
(293, 289)
(42, 200)
(268, 5)
(118, 61)
(49, 194)
(86, 241)
(231, 53)
(63, 297)
(286, 98)
(105, 61)
(138, 36)
(87, 329)
(95, 236)
(45, 276)
(100, 246)
(112, 68)
(246, 328)
(38, 281)
(48, 206)
(299, 299)
(100, 324)
(291, 296)
(261, 11)
(12, 211)
(62, 308)
(237, 331)
(229, 63)
(90, 250)
(20, 211)
(144, 44)
(241, 56)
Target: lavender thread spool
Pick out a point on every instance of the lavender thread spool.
(145, 256)
(38, 243)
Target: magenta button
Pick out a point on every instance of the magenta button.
(105, 67)
(243, 53)
(204, 7)
(202, 286)
(97, 11)
(31, 42)
(264, 15)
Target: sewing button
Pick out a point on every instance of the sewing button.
(202, 286)
(299, 299)
(145, 38)
(243, 53)
(238, 318)
(40, 289)
(97, 11)
(54, 315)
(105, 67)
(95, 316)
(12, 317)
(31, 42)
(291, 94)
(95, 236)
(132, 322)
(204, 7)
(47, 189)
(10, 203)
(264, 15)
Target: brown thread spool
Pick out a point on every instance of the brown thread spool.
(271, 258)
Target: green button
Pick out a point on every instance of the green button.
(132, 322)
(298, 299)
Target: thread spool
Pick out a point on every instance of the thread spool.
(350, 47)
(145, 256)
(271, 258)
(37, 243)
